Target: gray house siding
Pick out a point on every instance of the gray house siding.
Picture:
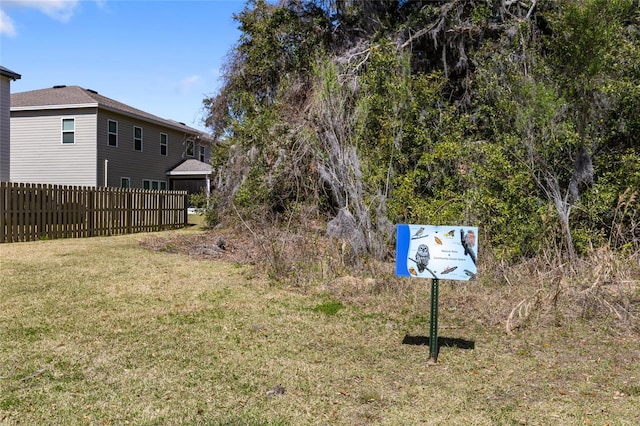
(124, 161)
(5, 119)
(38, 154)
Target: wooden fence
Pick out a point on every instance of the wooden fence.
(31, 212)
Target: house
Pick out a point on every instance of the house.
(6, 75)
(68, 135)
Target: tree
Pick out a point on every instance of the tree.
(434, 110)
(554, 84)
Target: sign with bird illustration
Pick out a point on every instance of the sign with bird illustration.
(441, 252)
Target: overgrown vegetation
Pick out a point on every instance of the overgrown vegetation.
(519, 117)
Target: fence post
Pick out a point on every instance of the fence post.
(185, 202)
(19, 210)
(3, 224)
(130, 211)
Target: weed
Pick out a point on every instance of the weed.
(631, 390)
(9, 403)
(329, 308)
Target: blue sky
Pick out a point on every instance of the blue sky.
(161, 56)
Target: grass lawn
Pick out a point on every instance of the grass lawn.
(103, 331)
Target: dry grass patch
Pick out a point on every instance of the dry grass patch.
(106, 331)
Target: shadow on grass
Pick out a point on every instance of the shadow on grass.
(442, 342)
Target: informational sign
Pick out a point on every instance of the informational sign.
(440, 252)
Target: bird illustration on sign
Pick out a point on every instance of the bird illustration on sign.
(468, 241)
(422, 257)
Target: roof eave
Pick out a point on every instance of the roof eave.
(150, 120)
(48, 107)
(185, 129)
(189, 173)
(10, 74)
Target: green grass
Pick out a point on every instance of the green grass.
(329, 308)
(103, 331)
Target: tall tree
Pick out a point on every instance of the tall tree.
(555, 83)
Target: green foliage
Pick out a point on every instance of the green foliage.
(505, 201)
(274, 53)
(254, 191)
(209, 206)
(413, 143)
(556, 92)
(329, 308)
(198, 201)
(520, 120)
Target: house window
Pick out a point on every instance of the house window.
(125, 182)
(201, 153)
(112, 133)
(68, 130)
(189, 149)
(154, 184)
(164, 143)
(137, 138)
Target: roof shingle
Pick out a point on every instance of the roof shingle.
(190, 166)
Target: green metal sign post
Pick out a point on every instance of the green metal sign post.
(433, 330)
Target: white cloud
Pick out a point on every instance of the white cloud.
(6, 25)
(60, 10)
(187, 83)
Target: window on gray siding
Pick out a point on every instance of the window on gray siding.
(113, 133)
(189, 149)
(137, 138)
(68, 130)
(164, 143)
(201, 153)
(125, 182)
(154, 184)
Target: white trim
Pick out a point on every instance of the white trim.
(165, 123)
(194, 173)
(160, 121)
(66, 106)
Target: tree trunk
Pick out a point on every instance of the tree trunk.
(564, 210)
